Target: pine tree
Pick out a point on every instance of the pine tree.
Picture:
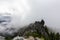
(57, 36)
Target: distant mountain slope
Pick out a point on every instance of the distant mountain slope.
(4, 20)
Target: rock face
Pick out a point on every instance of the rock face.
(30, 38)
(18, 38)
(34, 27)
(2, 38)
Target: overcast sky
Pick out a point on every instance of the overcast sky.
(27, 11)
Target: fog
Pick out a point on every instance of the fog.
(23, 12)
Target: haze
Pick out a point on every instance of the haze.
(24, 12)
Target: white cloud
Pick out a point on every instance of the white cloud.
(27, 11)
(17, 9)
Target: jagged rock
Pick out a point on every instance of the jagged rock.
(34, 27)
